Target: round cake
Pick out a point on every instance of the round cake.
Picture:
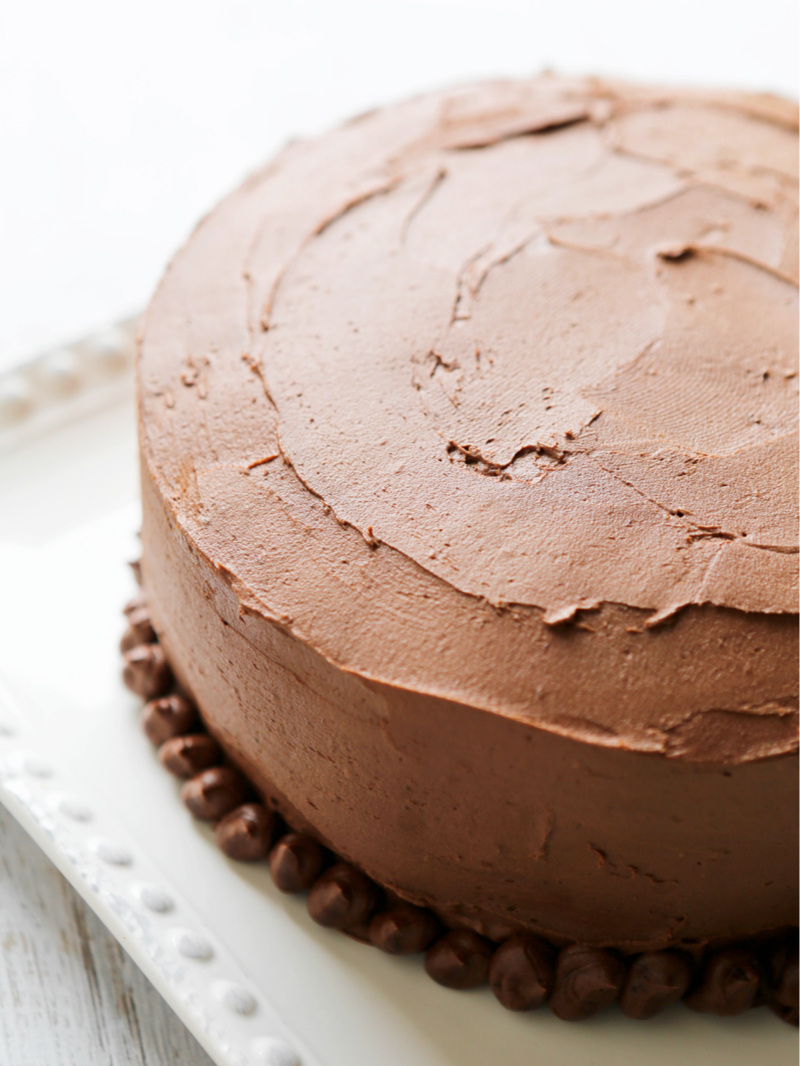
(469, 475)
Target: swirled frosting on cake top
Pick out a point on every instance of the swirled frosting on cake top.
(501, 373)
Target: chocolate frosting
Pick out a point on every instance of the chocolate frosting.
(728, 983)
(295, 862)
(169, 717)
(246, 832)
(460, 959)
(139, 631)
(342, 898)
(187, 755)
(521, 972)
(403, 929)
(213, 793)
(469, 473)
(655, 980)
(520, 969)
(146, 672)
(782, 981)
(543, 372)
(587, 980)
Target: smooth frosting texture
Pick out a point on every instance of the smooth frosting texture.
(510, 368)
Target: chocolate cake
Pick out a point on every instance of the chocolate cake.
(469, 473)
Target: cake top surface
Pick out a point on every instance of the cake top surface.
(499, 374)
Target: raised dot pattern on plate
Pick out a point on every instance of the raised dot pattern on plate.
(110, 852)
(235, 997)
(73, 808)
(154, 898)
(60, 373)
(35, 767)
(269, 1051)
(192, 945)
(16, 399)
(108, 351)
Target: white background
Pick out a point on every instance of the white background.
(121, 123)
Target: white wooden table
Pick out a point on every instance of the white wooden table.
(69, 994)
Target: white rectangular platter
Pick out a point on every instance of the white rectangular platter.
(245, 968)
